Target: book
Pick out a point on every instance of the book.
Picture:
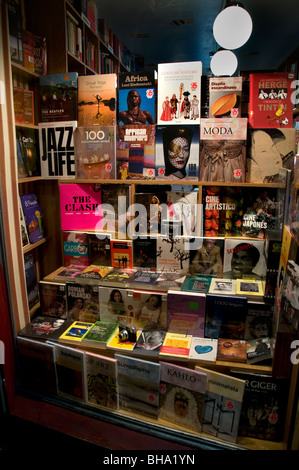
(222, 286)
(270, 103)
(197, 284)
(95, 151)
(149, 343)
(58, 97)
(183, 213)
(117, 344)
(137, 98)
(266, 393)
(15, 21)
(173, 253)
(177, 152)
(27, 148)
(99, 334)
(170, 280)
(36, 366)
(183, 303)
(145, 276)
(150, 310)
(259, 350)
(203, 350)
(23, 226)
(57, 152)
(92, 273)
(43, 328)
(116, 304)
(273, 259)
(144, 252)
(83, 302)
(245, 259)
(206, 257)
(99, 250)
(183, 324)
(65, 273)
(152, 202)
(115, 206)
(225, 97)
(23, 101)
(33, 217)
(222, 405)
(182, 394)
(223, 150)
(117, 276)
(28, 50)
(75, 332)
(138, 385)
(135, 152)
(31, 279)
(75, 248)
(101, 381)
(97, 100)
(225, 316)
(231, 350)
(259, 320)
(40, 55)
(80, 207)
(121, 254)
(52, 299)
(176, 345)
(179, 93)
(70, 372)
(251, 288)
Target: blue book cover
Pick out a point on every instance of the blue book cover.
(225, 316)
(33, 217)
(58, 97)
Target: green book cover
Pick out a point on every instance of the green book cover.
(99, 334)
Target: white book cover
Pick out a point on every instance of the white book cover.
(179, 93)
(173, 254)
(222, 286)
(203, 349)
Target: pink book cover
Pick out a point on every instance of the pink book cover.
(80, 206)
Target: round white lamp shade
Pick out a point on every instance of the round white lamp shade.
(232, 27)
(224, 63)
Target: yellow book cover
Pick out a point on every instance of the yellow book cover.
(176, 345)
(250, 288)
(75, 332)
(115, 342)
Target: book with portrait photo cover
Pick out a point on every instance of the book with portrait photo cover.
(245, 258)
(222, 286)
(251, 288)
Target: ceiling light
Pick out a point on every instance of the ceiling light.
(224, 63)
(232, 27)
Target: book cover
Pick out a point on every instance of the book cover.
(27, 142)
(182, 394)
(40, 55)
(173, 254)
(75, 248)
(203, 349)
(99, 249)
(273, 258)
(198, 284)
(58, 97)
(36, 366)
(259, 350)
(135, 151)
(23, 101)
(150, 310)
(245, 259)
(117, 344)
(138, 385)
(82, 301)
(101, 381)
(177, 152)
(92, 273)
(33, 217)
(31, 279)
(144, 252)
(223, 150)
(28, 50)
(116, 304)
(183, 324)
(270, 103)
(144, 276)
(183, 213)
(232, 350)
(176, 345)
(251, 288)
(97, 100)
(43, 328)
(152, 202)
(57, 152)
(266, 393)
(289, 310)
(170, 280)
(149, 343)
(122, 254)
(80, 206)
(52, 299)
(179, 93)
(137, 98)
(70, 372)
(115, 204)
(68, 272)
(95, 151)
(259, 320)
(183, 303)
(222, 286)
(15, 21)
(75, 332)
(206, 257)
(99, 334)
(23, 226)
(225, 97)
(222, 405)
(225, 316)
(118, 276)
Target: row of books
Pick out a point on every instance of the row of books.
(197, 400)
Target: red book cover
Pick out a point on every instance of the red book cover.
(121, 254)
(270, 100)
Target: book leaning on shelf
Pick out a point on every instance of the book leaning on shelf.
(33, 217)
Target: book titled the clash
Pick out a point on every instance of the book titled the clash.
(270, 102)
(225, 97)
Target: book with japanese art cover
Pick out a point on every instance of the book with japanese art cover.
(138, 385)
(95, 150)
(28, 148)
(97, 100)
(82, 301)
(101, 381)
(75, 248)
(270, 103)
(99, 334)
(75, 332)
(225, 316)
(57, 151)
(137, 98)
(182, 394)
(222, 404)
(58, 97)
(177, 152)
(179, 93)
(135, 151)
(122, 254)
(232, 350)
(203, 350)
(52, 299)
(33, 217)
(191, 304)
(225, 97)
(245, 259)
(223, 147)
(70, 372)
(176, 345)
(43, 328)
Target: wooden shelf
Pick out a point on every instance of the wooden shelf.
(17, 68)
(33, 246)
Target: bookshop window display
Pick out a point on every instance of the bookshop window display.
(165, 306)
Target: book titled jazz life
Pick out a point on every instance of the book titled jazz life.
(57, 153)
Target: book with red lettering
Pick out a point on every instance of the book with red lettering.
(270, 102)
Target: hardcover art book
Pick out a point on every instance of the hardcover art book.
(232, 350)
(138, 385)
(177, 152)
(57, 152)
(270, 102)
(225, 316)
(31, 279)
(222, 286)
(97, 100)
(222, 404)
(173, 254)
(75, 332)
(70, 372)
(150, 310)
(99, 334)
(259, 350)
(58, 97)
(176, 345)
(101, 381)
(245, 259)
(225, 97)
(182, 396)
(189, 304)
(135, 151)
(75, 248)
(52, 299)
(137, 98)
(116, 304)
(83, 301)
(183, 214)
(44, 328)
(206, 257)
(33, 217)
(27, 151)
(179, 93)
(95, 150)
(122, 254)
(223, 150)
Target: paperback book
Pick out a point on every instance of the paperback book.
(176, 345)
(223, 286)
(33, 217)
(198, 284)
(183, 213)
(23, 226)
(92, 273)
(52, 299)
(70, 372)
(83, 301)
(251, 288)
(144, 252)
(99, 334)
(149, 343)
(232, 350)
(225, 97)
(182, 394)
(259, 350)
(173, 254)
(206, 257)
(117, 344)
(101, 381)
(116, 304)
(122, 254)
(75, 332)
(58, 97)
(99, 249)
(203, 350)
(118, 277)
(43, 328)
(27, 152)
(259, 320)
